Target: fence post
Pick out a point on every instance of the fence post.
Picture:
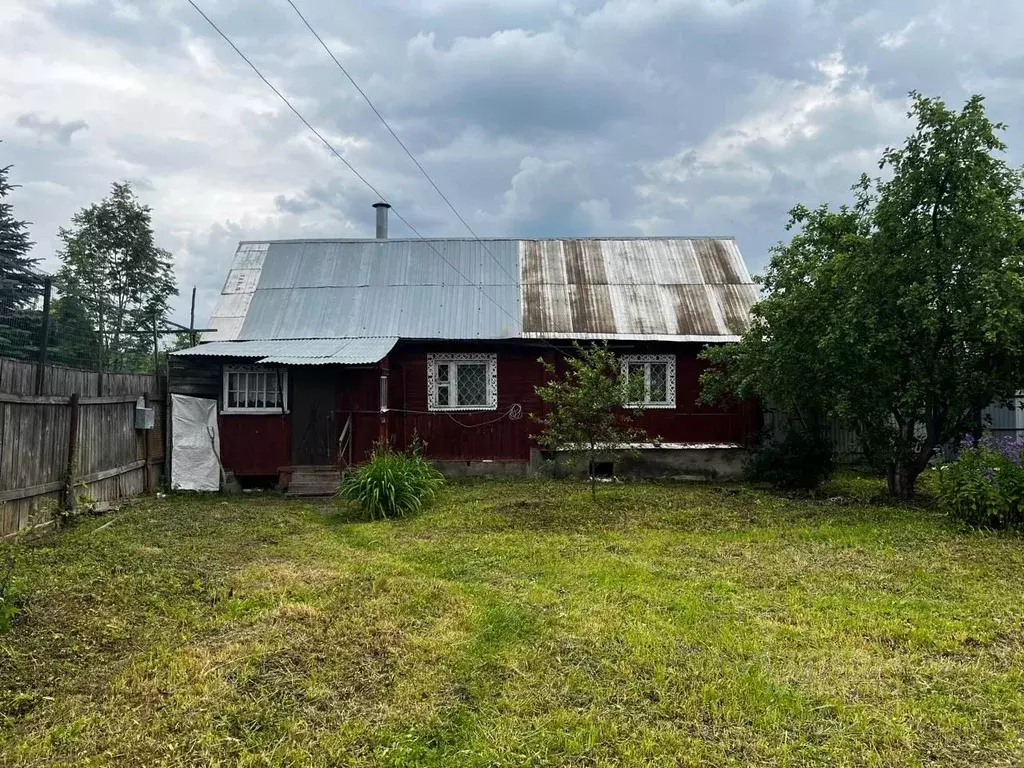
(148, 478)
(69, 481)
(168, 429)
(44, 337)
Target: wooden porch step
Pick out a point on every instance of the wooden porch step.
(314, 481)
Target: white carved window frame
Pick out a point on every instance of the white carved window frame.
(670, 377)
(280, 378)
(435, 360)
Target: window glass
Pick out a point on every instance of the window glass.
(472, 384)
(252, 388)
(257, 390)
(273, 401)
(658, 374)
(658, 378)
(462, 381)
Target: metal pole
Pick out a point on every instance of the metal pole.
(384, 370)
(103, 349)
(192, 318)
(156, 349)
(44, 337)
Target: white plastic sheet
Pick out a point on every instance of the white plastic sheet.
(195, 444)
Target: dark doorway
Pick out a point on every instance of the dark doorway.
(313, 396)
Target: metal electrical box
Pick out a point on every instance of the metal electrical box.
(145, 418)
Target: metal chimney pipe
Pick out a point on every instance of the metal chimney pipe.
(382, 220)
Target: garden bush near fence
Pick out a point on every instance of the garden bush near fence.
(392, 484)
(984, 486)
(798, 461)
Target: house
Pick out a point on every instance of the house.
(323, 347)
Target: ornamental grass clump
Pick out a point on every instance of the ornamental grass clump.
(984, 486)
(392, 484)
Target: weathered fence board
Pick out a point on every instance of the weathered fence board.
(19, 377)
(111, 461)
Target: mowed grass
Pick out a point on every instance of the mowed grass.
(519, 624)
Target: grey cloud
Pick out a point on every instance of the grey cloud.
(551, 198)
(296, 205)
(538, 117)
(51, 129)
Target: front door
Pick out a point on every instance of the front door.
(313, 398)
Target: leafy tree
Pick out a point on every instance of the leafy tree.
(590, 407)
(902, 316)
(112, 265)
(73, 339)
(178, 342)
(19, 281)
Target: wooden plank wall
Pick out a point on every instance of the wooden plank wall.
(197, 376)
(34, 436)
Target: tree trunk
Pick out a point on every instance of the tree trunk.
(901, 481)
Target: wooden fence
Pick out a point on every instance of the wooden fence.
(77, 439)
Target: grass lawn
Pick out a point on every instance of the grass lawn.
(519, 624)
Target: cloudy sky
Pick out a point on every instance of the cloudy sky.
(536, 117)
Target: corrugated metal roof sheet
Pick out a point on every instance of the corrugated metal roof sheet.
(682, 289)
(694, 289)
(356, 351)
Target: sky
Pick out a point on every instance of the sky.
(535, 117)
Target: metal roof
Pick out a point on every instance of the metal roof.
(358, 351)
(694, 289)
(679, 289)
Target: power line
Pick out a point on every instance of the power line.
(395, 135)
(349, 165)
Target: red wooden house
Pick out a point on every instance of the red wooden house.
(323, 347)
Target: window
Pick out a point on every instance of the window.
(248, 389)
(659, 372)
(462, 382)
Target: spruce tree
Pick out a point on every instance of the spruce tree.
(19, 281)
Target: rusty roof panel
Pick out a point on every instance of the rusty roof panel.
(695, 289)
(736, 302)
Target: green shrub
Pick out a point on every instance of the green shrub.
(798, 461)
(984, 486)
(392, 484)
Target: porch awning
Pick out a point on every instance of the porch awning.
(354, 351)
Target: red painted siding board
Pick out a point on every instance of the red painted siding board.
(475, 435)
(255, 445)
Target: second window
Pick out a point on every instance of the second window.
(462, 382)
(659, 374)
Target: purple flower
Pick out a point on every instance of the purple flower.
(967, 441)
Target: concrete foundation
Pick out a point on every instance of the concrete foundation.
(674, 463)
(457, 469)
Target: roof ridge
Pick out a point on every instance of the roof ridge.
(626, 238)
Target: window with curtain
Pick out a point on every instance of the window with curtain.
(250, 389)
